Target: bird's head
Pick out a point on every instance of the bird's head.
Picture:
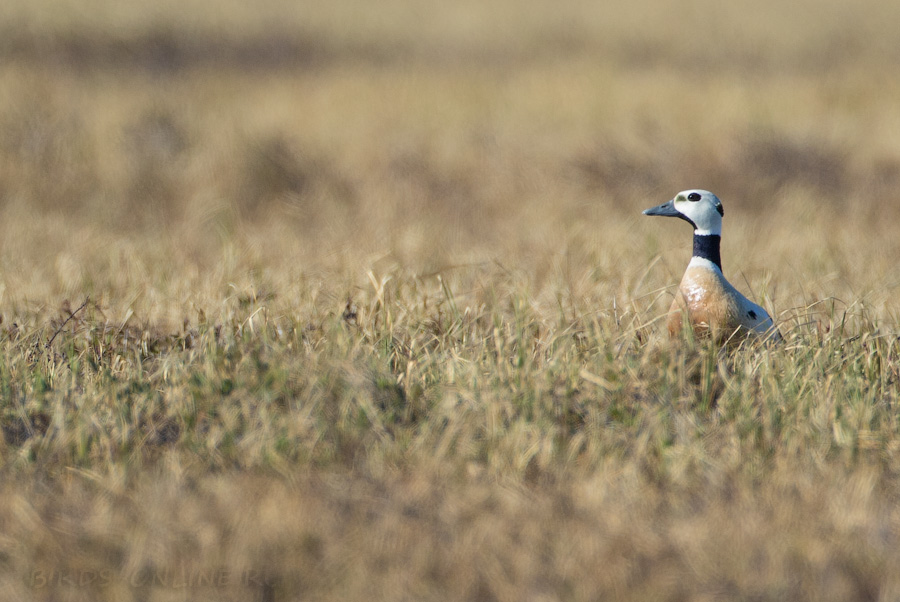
(701, 208)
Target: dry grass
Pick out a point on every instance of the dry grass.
(373, 312)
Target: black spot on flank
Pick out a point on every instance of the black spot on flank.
(752, 314)
(694, 197)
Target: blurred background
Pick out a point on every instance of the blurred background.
(258, 144)
(369, 288)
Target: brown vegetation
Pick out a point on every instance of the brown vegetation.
(372, 311)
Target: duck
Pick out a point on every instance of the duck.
(705, 299)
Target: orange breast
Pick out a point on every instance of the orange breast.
(705, 302)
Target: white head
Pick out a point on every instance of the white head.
(701, 208)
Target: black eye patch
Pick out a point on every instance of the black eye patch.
(694, 197)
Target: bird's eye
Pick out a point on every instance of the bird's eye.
(694, 197)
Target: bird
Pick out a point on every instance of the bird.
(711, 305)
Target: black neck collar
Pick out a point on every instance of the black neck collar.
(707, 247)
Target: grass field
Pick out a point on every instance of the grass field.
(337, 301)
